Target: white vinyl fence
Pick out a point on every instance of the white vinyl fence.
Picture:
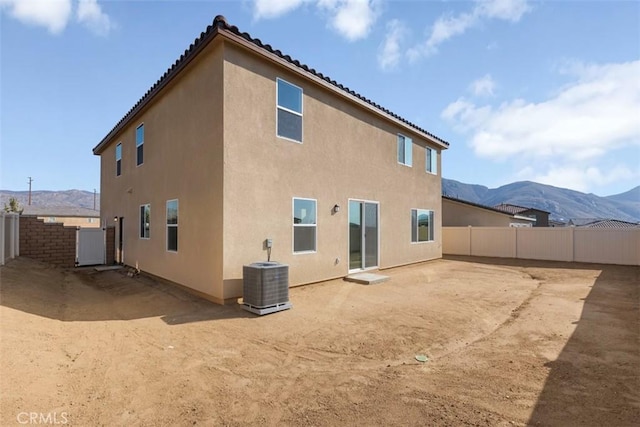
(90, 246)
(9, 236)
(594, 245)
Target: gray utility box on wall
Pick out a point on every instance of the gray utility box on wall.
(265, 287)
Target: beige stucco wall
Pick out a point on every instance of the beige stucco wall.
(182, 160)
(210, 142)
(346, 153)
(456, 214)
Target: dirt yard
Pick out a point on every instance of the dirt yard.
(509, 343)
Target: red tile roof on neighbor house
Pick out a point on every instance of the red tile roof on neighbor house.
(220, 26)
(477, 205)
(515, 209)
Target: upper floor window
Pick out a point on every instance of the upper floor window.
(289, 120)
(140, 145)
(421, 225)
(304, 225)
(431, 160)
(405, 150)
(145, 221)
(119, 159)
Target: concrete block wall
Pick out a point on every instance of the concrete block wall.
(48, 242)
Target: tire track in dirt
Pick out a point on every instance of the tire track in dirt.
(512, 318)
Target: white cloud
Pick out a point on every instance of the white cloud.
(508, 10)
(578, 177)
(449, 26)
(51, 14)
(595, 114)
(352, 19)
(389, 52)
(484, 86)
(54, 15)
(269, 9)
(90, 14)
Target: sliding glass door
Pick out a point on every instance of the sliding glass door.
(363, 235)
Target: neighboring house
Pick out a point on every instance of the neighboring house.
(461, 213)
(541, 217)
(603, 223)
(238, 143)
(556, 223)
(70, 216)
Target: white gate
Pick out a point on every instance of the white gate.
(90, 246)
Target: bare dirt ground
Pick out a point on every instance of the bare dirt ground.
(509, 343)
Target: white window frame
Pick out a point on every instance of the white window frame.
(408, 148)
(414, 232)
(431, 166)
(301, 113)
(140, 144)
(294, 225)
(140, 227)
(172, 225)
(119, 144)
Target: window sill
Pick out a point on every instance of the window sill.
(289, 139)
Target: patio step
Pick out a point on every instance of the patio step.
(366, 278)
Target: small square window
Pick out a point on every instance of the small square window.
(172, 225)
(421, 225)
(145, 221)
(140, 145)
(119, 159)
(304, 225)
(405, 150)
(431, 160)
(289, 111)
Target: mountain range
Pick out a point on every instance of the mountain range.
(75, 198)
(562, 203)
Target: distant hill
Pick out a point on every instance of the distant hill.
(75, 198)
(632, 195)
(562, 203)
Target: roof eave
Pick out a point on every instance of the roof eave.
(526, 218)
(221, 27)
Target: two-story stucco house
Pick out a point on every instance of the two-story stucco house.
(237, 143)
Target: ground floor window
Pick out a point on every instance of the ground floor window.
(421, 225)
(172, 225)
(304, 225)
(145, 221)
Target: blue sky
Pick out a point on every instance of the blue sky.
(543, 91)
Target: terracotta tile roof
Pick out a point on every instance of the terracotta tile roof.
(515, 209)
(220, 24)
(611, 223)
(512, 209)
(477, 205)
